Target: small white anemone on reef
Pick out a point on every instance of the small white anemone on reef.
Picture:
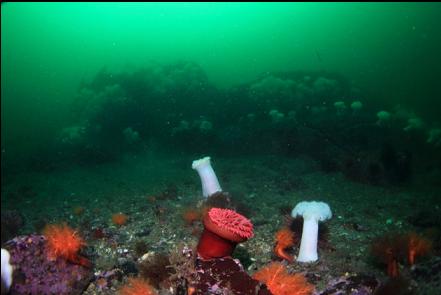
(6, 271)
(383, 117)
(316, 110)
(414, 123)
(131, 136)
(210, 183)
(183, 126)
(312, 212)
(434, 136)
(340, 106)
(205, 126)
(72, 134)
(356, 105)
(276, 116)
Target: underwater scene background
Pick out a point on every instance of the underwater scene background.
(107, 108)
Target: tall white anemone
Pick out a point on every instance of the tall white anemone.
(312, 213)
(210, 183)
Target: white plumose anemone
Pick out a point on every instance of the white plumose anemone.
(383, 117)
(210, 183)
(6, 270)
(312, 213)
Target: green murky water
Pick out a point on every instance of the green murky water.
(104, 100)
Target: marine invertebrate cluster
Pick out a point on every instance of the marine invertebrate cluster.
(72, 134)
(196, 276)
(215, 271)
(198, 127)
(356, 106)
(137, 286)
(416, 246)
(414, 123)
(273, 87)
(223, 229)
(155, 268)
(340, 107)
(434, 136)
(78, 210)
(223, 276)
(119, 219)
(323, 85)
(358, 284)
(391, 249)
(276, 116)
(191, 215)
(36, 273)
(284, 239)
(63, 241)
(280, 282)
(131, 136)
(383, 118)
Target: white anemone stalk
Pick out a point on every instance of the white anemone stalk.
(6, 271)
(312, 213)
(210, 183)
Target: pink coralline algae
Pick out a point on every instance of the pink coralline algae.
(35, 273)
(225, 276)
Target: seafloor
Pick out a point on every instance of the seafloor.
(154, 190)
